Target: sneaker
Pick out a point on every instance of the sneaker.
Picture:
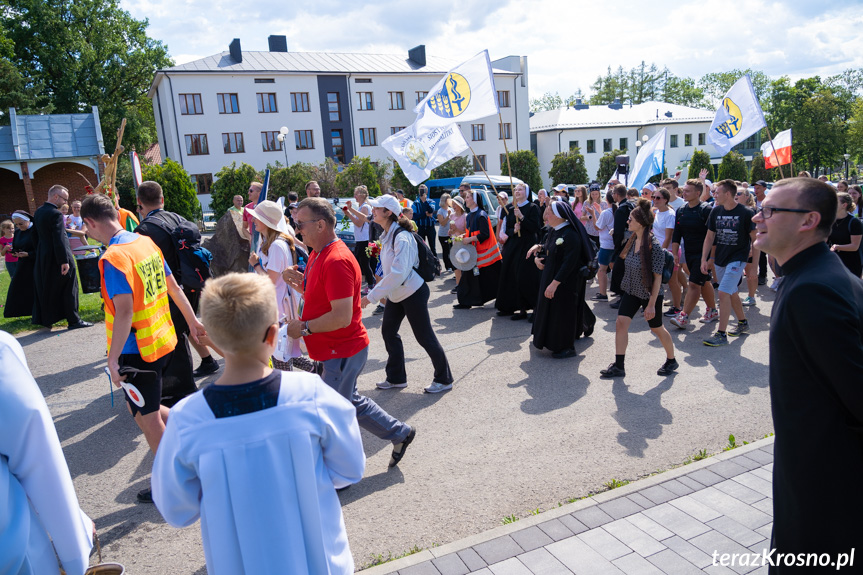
(400, 448)
(775, 285)
(436, 387)
(716, 340)
(612, 371)
(615, 304)
(672, 312)
(378, 310)
(762, 280)
(454, 290)
(145, 496)
(599, 297)
(739, 329)
(749, 301)
(711, 315)
(387, 385)
(668, 367)
(681, 321)
(208, 366)
(364, 291)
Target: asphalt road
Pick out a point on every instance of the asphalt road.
(520, 431)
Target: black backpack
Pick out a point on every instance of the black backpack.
(668, 268)
(429, 266)
(194, 259)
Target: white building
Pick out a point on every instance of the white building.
(599, 129)
(230, 107)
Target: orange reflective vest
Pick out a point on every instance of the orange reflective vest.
(128, 221)
(141, 262)
(487, 252)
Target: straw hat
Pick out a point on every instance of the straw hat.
(272, 216)
(464, 257)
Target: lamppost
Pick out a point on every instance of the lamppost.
(847, 157)
(282, 138)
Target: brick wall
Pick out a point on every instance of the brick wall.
(12, 196)
(65, 174)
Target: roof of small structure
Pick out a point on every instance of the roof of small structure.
(49, 136)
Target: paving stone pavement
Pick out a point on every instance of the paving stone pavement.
(674, 523)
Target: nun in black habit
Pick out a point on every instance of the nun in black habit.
(519, 277)
(19, 298)
(479, 285)
(562, 315)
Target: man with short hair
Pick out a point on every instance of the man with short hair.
(237, 204)
(331, 320)
(313, 190)
(463, 190)
(676, 202)
(730, 229)
(254, 193)
(822, 178)
(403, 202)
(816, 358)
(424, 217)
(54, 276)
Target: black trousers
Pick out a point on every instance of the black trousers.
(445, 247)
(177, 378)
(415, 308)
(365, 263)
(428, 233)
(762, 265)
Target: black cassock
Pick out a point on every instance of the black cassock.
(519, 277)
(56, 294)
(478, 289)
(559, 321)
(19, 298)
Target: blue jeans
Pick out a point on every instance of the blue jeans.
(341, 374)
(11, 267)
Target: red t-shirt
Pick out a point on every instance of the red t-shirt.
(331, 275)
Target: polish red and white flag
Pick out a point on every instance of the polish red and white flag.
(779, 153)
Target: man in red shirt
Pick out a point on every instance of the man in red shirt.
(331, 319)
(254, 191)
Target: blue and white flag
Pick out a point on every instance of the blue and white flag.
(419, 152)
(466, 93)
(737, 118)
(650, 160)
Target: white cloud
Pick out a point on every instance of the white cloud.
(568, 43)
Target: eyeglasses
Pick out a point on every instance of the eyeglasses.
(299, 224)
(738, 194)
(768, 211)
(658, 198)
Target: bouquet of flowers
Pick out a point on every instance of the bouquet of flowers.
(373, 250)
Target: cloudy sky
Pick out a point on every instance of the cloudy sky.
(568, 42)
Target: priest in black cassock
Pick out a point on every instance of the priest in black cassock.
(562, 315)
(55, 276)
(519, 277)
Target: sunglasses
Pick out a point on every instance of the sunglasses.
(658, 198)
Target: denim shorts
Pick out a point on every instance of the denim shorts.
(730, 276)
(604, 256)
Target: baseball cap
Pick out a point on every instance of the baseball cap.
(560, 188)
(387, 202)
(761, 183)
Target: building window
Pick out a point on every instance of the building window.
(196, 145)
(591, 146)
(299, 101)
(624, 144)
(267, 103)
(502, 161)
(265, 81)
(397, 100)
(228, 103)
(477, 132)
(191, 104)
(503, 98)
(504, 131)
(421, 96)
(338, 150)
(203, 183)
(368, 137)
(479, 163)
(233, 143)
(687, 140)
(304, 139)
(362, 80)
(606, 145)
(672, 141)
(701, 138)
(396, 129)
(366, 101)
(573, 145)
(334, 107)
(270, 141)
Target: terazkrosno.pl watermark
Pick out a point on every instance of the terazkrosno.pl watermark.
(774, 559)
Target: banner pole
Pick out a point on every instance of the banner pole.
(486, 174)
(775, 155)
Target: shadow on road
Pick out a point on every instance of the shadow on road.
(372, 484)
(550, 394)
(642, 416)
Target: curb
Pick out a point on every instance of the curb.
(566, 509)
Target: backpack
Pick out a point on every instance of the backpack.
(194, 259)
(429, 266)
(668, 268)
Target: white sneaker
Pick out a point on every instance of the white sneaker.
(387, 385)
(681, 320)
(711, 315)
(438, 387)
(775, 285)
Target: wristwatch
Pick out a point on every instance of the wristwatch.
(306, 331)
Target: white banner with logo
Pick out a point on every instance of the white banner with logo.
(419, 153)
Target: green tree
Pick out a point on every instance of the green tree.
(231, 181)
(854, 137)
(607, 165)
(733, 167)
(382, 173)
(15, 91)
(325, 175)
(457, 167)
(683, 92)
(525, 167)
(547, 101)
(401, 182)
(758, 171)
(700, 160)
(82, 53)
(177, 187)
(288, 179)
(716, 84)
(568, 168)
(360, 172)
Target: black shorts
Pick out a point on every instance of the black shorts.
(629, 306)
(147, 379)
(695, 275)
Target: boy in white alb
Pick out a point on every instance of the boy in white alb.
(259, 454)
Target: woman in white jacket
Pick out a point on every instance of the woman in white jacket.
(406, 295)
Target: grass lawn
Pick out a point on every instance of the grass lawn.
(89, 306)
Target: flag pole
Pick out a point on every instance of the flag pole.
(775, 155)
(486, 173)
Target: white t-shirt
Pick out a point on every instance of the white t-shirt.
(361, 234)
(605, 223)
(443, 229)
(661, 222)
(278, 260)
(676, 204)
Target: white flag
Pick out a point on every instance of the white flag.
(419, 153)
(466, 93)
(650, 160)
(737, 118)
